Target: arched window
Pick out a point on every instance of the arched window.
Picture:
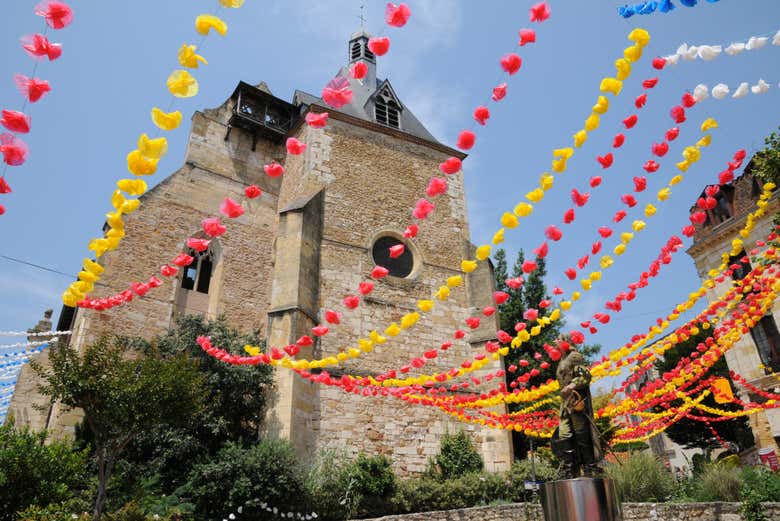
(386, 109)
(197, 276)
(400, 266)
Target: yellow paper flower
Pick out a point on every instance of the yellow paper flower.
(534, 196)
(606, 261)
(206, 22)
(231, 4)
(708, 124)
(639, 36)
(443, 293)
(409, 320)
(675, 180)
(166, 120)
(182, 84)
(139, 165)
(683, 166)
(611, 85)
(152, 148)
(393, 330)
(620, 249)
(498, 237)
(650, 210)
(633, 53)
(93, 267)
(623, 67)
(664, 193)
(592, 123)
(510, 221)
(523, 210)
(188, 58)
(483, 252)
(134, 187)
(425, 305)
(580, 137)
(546, 181)
(454, 281)
(638, 225)
(468, 265)
(602, 105)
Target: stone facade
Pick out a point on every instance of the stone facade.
(298, 249)
(631, 512)
(714, 237)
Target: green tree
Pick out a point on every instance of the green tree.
(235, 403)
(458, 456)
(122, 393)
(766, 163)
(692, 433)
(528, 296)
(33, 472)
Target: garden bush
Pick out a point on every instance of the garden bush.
(425, 494)
(328, 486)
(718, 482)
(642, 478)
(33, 472)
(458, 456)
(371, 484)
(268, 471)
(520, 472)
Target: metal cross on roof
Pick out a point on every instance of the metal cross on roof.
(362, 18)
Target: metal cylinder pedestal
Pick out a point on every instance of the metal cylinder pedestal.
(581, 499)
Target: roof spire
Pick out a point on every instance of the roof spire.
(361, 17)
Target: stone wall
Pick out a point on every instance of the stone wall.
(631, 512)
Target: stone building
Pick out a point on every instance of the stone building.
(312, 237)
(757, 355)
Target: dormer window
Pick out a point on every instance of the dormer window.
(387, 111)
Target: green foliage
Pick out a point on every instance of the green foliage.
(425, 494)
(695, 434)
(268, 471)
(328, 486)
(235, 402)
(718, 482)
(33, 472)
(122, 394)
(766, 163)
(762, 482)
(642, 478)
(520, 472)
(62, 511)
(458, 456)
(371, 485)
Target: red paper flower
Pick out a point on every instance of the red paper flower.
(379, 272)
(320, 330)
(252, 192)
(366, 287)
(618, 141)
(182, 260)
(651, 166)
(672, 133)
(529, 266)
(619, 216)
(542, 250)
(630, 121)
(198, 244)
(640, 183)
(422, 209)
(5, 188)
(397, 15)
(500, 297)
(168, 271)
(230, 208)
(527, 36)
(38, 46)
(451, 166)
(539, 12)
(466, 140)
(511, 63)
(331, 317)
(317, 119)
(31, 88)
(15, 121)
(294, 146)
(640, 100)
(568, 216)
(605, 161)
(411, 231)
(499, 92)
(57, 14)
(14, 150)
(481, 115)
(553, 233)
(274, 169)
(379, 45)
(660, 149)
(659, 63)
(578, 198)
(337, 93)
(396, 251)
(628, 199)
(213, 227)
(436, 186)
(605, 232)
(688, 100)
(678, 114)
(595, 181)
(650, 83)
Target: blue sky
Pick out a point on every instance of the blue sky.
(118, 54)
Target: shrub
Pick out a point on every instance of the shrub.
(268, 471)
(327, 484)
(425, 494)
(33, 472)
(520, 472)
(371, 484)
(764, 483)
(718, 482)
(62, 511)
(641, 478)
(458, 456)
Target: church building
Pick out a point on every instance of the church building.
(314, 234)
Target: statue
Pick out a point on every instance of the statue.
(576, 442)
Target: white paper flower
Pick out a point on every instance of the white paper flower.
(720, 91)
(742, 90)
(756, 43)
(709, 52)
(735, 48)
(760, 88)
(701, 92)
